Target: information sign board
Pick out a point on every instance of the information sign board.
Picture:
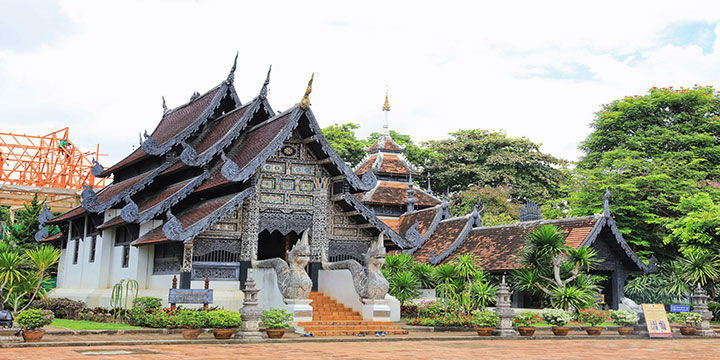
(679, 308)
(190, 296)
(657, 321)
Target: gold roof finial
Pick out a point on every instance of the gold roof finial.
(386, 106)
(305, 102)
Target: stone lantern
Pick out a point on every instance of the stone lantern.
(699, 299)
(250, 311)
(504, 309)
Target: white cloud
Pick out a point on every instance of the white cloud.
(449, 65)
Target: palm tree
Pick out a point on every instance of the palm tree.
(700, 266)
(397, 263)
(404, 287)
(424, 273)
(11, 273)
(42, 259)
(445, 277)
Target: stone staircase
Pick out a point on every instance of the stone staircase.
(331, 318)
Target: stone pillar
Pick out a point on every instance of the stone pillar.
(250, 311)
(186, 269)
(504, 309)
(250, 227)
(699, 299)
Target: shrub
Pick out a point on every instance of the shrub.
(147, 302)
(449, 320)
(191, 319)
(486, 317)
(693, 319)
(154, 318)
(593, 316)
(625, 317)
(527, 318)
(33, 319)
(714, 307)
(409, 311)
(63, 308)
(224, 319)
(276, 318)
(430, 309)
(97, 314)
(557, 317)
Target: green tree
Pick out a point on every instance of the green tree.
(484, 158)
(651, 151)
(497, 205)
(699, 227)
(26, 224)
(346, 144)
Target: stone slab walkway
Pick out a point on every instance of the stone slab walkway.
(698, 348)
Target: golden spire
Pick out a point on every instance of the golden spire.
(386, 106)
(305, 102)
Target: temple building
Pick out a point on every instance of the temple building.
(217, 181)
(221, 183)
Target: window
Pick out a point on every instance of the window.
(93, 222)
(78, 227)
(93, 246)
(76, 251)
(124, 235)
(168, 258)
(126, 256)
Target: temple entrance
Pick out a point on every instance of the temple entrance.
(274, 244)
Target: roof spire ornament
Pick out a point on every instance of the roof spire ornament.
(305, 102)
(231, 76)
(165, 108)
(429, 188)
(264, 90)
(606, 203)
(386, 109)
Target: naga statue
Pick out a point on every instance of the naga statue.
(369, 281)
(293, 281)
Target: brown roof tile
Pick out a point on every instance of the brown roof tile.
(423, 217)
(496, 246)
(171, 124)
(393, 224)
(445, 234)
(68, 215)
(395, 193)
(366, 165)
(153, 236)
(384, 143)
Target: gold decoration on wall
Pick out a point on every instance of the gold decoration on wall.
(305, 102)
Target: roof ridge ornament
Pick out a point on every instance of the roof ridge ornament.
(44, 217)
(429, 188)
(96, 169)
(606, 203)
(231, 76)
(195, 95)
(165, 108)
(130, 211)
(476, 214)
(305, 102)
(264, 90)
(410, 201)
(530, 212)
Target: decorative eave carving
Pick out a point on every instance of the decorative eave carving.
(129, 212)
(428, 233)
(96, 169)
(173, 199)
(174, 230)
(609, 221)
(458, 241)
(44, 217)
(90, 201)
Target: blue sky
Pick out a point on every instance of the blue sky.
(534, 69)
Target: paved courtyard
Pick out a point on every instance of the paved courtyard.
(469, 349)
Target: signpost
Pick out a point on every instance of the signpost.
(190, 296)
(657, 321)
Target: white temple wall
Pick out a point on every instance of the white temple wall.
(269, 296)
(338, 284)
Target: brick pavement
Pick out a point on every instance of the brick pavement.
(485, 349)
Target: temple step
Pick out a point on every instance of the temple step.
(331, 318)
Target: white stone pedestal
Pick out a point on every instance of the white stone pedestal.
(375, 310)
(300, 309)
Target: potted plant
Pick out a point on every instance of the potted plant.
(526, 321)
(276, 321)
(593, 317)
(558, 318)
(223, 322)
(692, 320)
(32, 322)
(191, 321)
(485, 321)
(625, 319)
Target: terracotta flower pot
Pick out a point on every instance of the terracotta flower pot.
(190, 333)
(32, 335)
(223, 334)
(275, 333)
(560, 330)
(484, 330)
(526, 330)
(688, 330)
(593, 331)
(625, 330)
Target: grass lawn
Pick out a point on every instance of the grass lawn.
(88, 325)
